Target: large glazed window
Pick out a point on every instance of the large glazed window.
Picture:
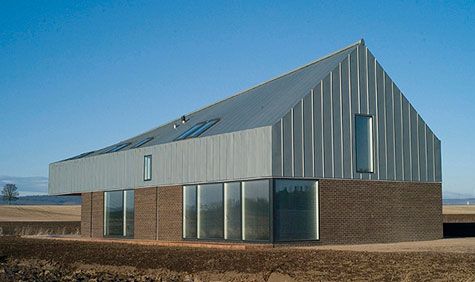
(210, 211)
(119, 213)
(364, 143)
(295, 210)
(255, 210)
(189, 212)
(232, 211)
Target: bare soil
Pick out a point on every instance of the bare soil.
(61, 260)
(40, 213)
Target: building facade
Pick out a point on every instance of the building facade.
(331, 152)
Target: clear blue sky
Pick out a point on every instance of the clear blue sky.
(76, 76)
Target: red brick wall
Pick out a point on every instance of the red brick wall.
(170, 219)
(97, 215)
(361, 211)
(145, 215)
(86, 214)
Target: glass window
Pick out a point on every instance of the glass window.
(147, 168)
(142, 142)
(255, 210)
(295, 210)
(113, 213)
(364, 143)
(203, 128)
(189, 211)
(232, 211)
(129, 212)
(190, 131)
(210, 211)
(119, 213)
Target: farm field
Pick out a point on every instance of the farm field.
(56, 260)
(40, 213)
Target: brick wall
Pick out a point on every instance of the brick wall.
(145, 215)
(359, 211)
(170, 219)
(86, 214)
(97, 215)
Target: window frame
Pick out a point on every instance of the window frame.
(371, 143)
(145, 171)
(142, 142)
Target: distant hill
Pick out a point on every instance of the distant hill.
(45, 200)
(470, 201)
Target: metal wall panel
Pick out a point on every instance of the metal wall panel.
(388, 90)
(287, 144)
(298, 139)
(438, 159)
(318, 129)
(405, 149)
(308, 136)
(422, 150)
(398, 146)
(189, 161)
(381, 119)
(277, 149)
(327, 127)
(337, 124)
(406, 137)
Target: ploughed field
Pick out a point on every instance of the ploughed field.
(34, 259)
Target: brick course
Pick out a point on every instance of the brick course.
(361, 211)
(97, 215)
(145, 214)
(86, 214)
(170, 219)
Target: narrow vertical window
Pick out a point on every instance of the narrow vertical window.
(364, 143)
(147, 168)
(189, 212)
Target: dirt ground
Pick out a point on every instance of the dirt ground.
(63, 260)
(40, 213)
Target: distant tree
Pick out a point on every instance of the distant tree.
(10, 193)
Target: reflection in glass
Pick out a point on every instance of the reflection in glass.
(113, 213)
(295, 210)
(255, 210)
(232, 211)
(189, 212)
(364, 143)
(210, 211)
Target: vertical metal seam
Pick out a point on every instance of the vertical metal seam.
(425, 152)
(303, 140)
(350, 101)
(385, 125)
(292, 141)
(331, 126)
(418, 149)
(341, 126)
(321, 120)
(281, 147)
(394, 131)
(377, 160)
(434, 169)
(313, 131)
(367, 106)
(360, 176)
(402, 136)
(411, 174)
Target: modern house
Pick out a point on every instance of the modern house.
(331, 152)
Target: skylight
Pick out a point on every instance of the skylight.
(197, 129)
(117, 148)
(142, 142)
(81, 155)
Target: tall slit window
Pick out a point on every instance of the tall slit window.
(147, 168)
(364, 143)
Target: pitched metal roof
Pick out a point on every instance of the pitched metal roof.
(261, 105)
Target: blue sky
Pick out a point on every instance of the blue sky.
(76, 76)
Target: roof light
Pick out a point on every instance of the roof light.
(142, 142)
